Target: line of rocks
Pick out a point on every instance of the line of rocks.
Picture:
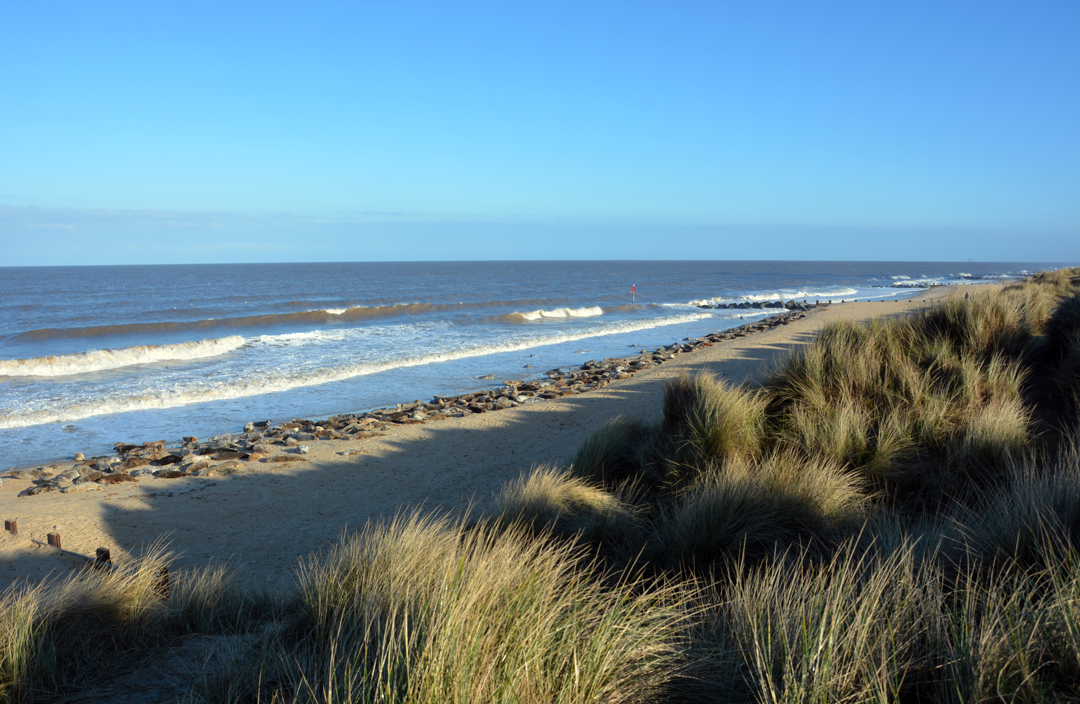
(262, 442)
(758, 305)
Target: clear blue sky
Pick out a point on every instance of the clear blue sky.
(184, 132)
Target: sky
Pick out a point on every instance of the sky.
(163, 132)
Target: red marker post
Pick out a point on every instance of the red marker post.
(633, 293)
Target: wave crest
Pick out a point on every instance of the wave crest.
(101, 360)
(558, 313)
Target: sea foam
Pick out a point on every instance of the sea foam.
(101, 360)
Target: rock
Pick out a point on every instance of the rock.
(79, 457)
(303, 449)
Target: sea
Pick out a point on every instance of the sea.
(90, 356)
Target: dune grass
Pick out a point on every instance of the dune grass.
(74, 634)
(894, 516)
(423, 609)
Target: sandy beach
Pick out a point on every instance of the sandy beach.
(262, 522)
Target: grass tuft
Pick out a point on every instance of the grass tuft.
(420, 610)
(753, 511)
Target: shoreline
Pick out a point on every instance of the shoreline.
(395, 461)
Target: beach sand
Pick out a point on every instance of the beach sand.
(262, 523)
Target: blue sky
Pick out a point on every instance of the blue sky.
(188, 132)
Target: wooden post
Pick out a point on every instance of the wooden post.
(103, 560)
(12, 527)
(54, 540)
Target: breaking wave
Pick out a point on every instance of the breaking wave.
(101, 360)
(781, 295)
(88, 406)
(324, 316)
(560, 313)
